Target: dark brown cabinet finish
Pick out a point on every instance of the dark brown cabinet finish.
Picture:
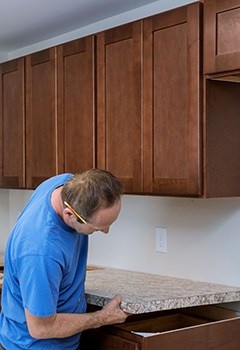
(119, 63)
(41, 117)
(12, 124)
(197, 328)
(76, 105)
(98, 340)
(172, 99)
(222, 137)
(221, 35)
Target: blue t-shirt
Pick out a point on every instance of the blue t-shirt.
(44, 272)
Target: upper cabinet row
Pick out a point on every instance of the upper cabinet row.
(47, 114)
(126, 100)
(132, 100)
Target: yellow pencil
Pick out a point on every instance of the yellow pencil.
(85, 222)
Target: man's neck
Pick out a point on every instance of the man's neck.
(56, 202)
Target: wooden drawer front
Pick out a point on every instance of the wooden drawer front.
(221, 35)
(98, 340)
(200, 328)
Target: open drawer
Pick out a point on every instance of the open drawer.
(196, 328)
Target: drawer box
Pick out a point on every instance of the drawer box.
(196, 328)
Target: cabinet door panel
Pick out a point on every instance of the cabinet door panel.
(76, 108)
(119, 103)
(221, 35)
(172, 102)
(12, 124)
(41, 118)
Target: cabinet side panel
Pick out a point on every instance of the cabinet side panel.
(223, 139)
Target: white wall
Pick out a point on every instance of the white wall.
(203, 238)
(3, 56)
(12, 203)
(203, 235)
(4, 218)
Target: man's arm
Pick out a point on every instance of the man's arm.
(65, 325)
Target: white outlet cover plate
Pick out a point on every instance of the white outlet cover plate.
(161, 239)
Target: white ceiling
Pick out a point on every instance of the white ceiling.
(25, 22)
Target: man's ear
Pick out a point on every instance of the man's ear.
(67, 215)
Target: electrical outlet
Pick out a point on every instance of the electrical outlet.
(161, 239)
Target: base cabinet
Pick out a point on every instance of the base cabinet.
(198, 328)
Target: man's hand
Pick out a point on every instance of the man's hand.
(113, 312)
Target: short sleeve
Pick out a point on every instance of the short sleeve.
(39, 278)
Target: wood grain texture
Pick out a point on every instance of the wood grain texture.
(174, 330)
(119, 63)
(221, 35)
(12, 124)
(41, 117)
(76, 105)
(222, 139)
(172, 100)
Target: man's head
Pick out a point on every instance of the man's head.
(92, 192)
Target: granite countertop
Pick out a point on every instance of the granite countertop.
(144, 292)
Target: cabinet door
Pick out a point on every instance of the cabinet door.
(41, 118)
(76, 107)
(12, 128)
(119, 103)
(172, 102)
(221, 35)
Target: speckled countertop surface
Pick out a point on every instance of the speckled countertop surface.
(143, 292)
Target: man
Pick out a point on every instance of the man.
(43, 298)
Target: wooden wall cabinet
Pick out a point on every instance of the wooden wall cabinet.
(47, 120)
(149, 125)
(172, 100)
(12, 124)
(28, 120)
(221, 35)
(129, 100)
